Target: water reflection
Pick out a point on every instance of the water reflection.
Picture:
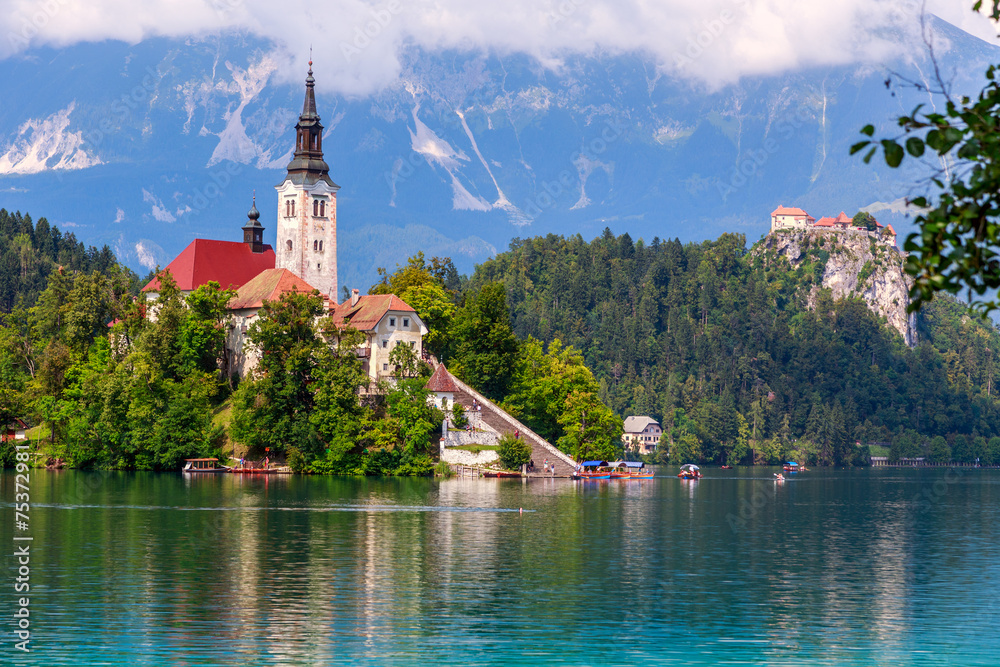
(831, 567)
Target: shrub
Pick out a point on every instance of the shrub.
(513, 452)
(458, 418)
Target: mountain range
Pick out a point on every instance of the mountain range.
(147, 146)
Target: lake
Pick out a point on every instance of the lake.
(867, 567)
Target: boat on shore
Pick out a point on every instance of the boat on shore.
(501, 473)
(592, 470)
(791, 467)
(689, 471)
(203, 466)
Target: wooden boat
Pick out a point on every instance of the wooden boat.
(689, 471)
(203, 466)
(638, 470)
(791, 467)
(592, 470)
(501, 473)
(619, 470)
(725, 467)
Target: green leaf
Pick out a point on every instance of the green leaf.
(893, 153)
(868, 156)
(858, 146)
(868, 130)
(915, 146)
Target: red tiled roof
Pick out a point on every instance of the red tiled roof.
(842, 218)
(229, 263)
(368, 312)
(268, 285)
(441, 381)
(825, 222)
(784, 210)
(889, 229)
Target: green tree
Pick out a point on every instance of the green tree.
(486, 349)
(513, 452)
(955, 247)
(591, 430)
(273, 407)
(202, 333)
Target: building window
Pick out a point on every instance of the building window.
(406, 322)
(288, 244)
(317, 266)
(322, 208)
(321, 245)
(392, 321)
(385, 367)
(385, 344)
(413, 343)
(315, 208)
(315, 246)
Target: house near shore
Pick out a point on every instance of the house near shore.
(16, 430)
(642, 433)
(785, 218)
(306, 261)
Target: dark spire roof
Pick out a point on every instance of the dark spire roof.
(253, 216)
(307, 165)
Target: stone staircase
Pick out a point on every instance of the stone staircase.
(501, 422)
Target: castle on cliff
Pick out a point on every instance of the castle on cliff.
(787, 218)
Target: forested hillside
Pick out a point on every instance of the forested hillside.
(30, 251)
(726, 354)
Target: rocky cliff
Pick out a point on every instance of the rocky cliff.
(850, 263)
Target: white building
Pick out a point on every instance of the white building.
(785, 217)
(386, 321)
(642, 433)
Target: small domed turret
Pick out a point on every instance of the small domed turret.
(253, 232)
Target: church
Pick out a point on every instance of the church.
(305, 259)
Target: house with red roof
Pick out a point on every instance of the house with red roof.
(443, 388)
(785, 217)
(229, 263)
(15, 430)
(386, 321)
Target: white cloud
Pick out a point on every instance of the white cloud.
(159, 211)
(358, 42)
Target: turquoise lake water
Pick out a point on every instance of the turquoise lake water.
(867, 567)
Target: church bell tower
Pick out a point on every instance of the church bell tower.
(307, 206)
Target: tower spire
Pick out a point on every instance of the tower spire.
(307, 165)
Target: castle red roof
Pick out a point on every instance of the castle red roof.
(441, 381)
(825, 222)
(368, 312)
(229, 263)
(785, 210)
(268, 285)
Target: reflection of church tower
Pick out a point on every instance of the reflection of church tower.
(307, 206)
